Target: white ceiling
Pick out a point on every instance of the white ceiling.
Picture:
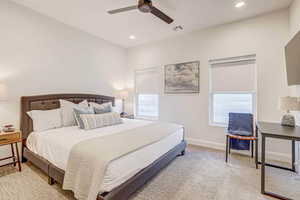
(91, 16)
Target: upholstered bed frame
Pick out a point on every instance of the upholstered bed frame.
(47, 102)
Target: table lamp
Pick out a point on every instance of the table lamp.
(289, 104)
(123, 94)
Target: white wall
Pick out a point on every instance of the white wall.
(264, 36)
(295, 17)
(39, 55)
(295, 28)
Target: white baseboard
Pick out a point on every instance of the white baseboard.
(282, 157)
(205, 143)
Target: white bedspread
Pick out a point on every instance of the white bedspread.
(55, 146)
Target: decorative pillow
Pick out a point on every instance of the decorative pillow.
(68, 118)
(91, 121)
(80, 111)
(101, 108)
(45, 119)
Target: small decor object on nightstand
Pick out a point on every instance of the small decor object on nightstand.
(289, 104)
(8, 128)
(128, 116)
(11, 138)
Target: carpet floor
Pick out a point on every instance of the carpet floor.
(201, 174)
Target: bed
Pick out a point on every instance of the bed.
(48, 151)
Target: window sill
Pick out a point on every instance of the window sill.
(218, 125)
(146, 118)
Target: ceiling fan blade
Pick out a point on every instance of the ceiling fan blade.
(161, 15)
(122, 9)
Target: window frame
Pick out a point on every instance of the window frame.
(231, 60)
(136, 93)
(211, 106)
(137, 108)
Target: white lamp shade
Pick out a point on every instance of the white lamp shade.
(122, 94)
(289, 104)
(2, 92)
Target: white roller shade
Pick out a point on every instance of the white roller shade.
(233, 76)
(147, 81)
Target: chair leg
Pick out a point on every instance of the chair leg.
(252, 149)
(227, 148)
(229, 145)
(18, 157)
(13, 154)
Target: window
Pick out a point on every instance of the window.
(147, 105)
(147, 93)
(232, 88)
(223, 104)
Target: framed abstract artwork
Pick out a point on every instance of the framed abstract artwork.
(182, 78)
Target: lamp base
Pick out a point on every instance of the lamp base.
(288, 120)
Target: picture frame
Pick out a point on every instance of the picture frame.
(182, 78)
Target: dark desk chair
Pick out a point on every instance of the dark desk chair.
(240, 134)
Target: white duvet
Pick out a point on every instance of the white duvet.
(56, 144)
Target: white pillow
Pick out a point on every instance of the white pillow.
(102, 108)
(67, 115)
(93, 121)
(45, 119)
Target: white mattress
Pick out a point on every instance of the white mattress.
(56, 144)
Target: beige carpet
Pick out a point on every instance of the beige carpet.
(200, 175)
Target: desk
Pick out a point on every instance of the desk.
(275, 130)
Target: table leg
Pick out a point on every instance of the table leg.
(256, 131)
(13, 154)
(263, 175)
(18, 157)
(293, 155)
(256, 153)
(263, 162)
(256, 147)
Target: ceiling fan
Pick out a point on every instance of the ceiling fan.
(145, 6)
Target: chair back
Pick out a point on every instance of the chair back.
(240, 124)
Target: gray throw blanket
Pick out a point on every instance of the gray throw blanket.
(88, 160)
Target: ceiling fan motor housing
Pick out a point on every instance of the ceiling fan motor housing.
(145, 6)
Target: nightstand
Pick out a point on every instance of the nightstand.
(11, 138)
(127, 116)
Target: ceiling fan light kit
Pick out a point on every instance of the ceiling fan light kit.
(145, 6)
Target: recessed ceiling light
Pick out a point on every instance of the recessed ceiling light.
(132, 37)
(240, 4)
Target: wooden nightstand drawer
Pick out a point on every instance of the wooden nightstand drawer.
(9, 137)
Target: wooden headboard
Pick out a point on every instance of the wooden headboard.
(51, 101)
